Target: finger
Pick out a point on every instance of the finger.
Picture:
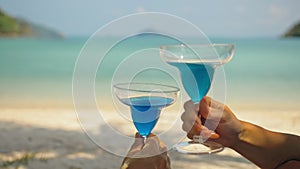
(190, 117)
(206, 133)
(152, 147)
(191, 134)
(137, 135)
(207, 100)
(151, 135)
(187, 126)
(203, 131)
(213, 119)
(217, 105)
(211, 109)
(195, 130)
(155, 143)
(214, 135)
(138, 143)
(189, 105)
(136, 146)
(204, 107)
(191, 110)
(213, 103)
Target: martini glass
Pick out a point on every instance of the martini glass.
(146, 101)
(197, 64)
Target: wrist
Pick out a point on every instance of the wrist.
(244, 135)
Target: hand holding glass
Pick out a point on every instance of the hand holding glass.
(197, 64)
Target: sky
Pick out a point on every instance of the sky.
(230, 18)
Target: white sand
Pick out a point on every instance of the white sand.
(55, 140)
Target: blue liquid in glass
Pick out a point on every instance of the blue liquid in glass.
(145, 111)
(196, 78)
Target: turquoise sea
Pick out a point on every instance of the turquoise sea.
(38, 72)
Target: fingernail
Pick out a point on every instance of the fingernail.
(197, 127)
(214, 135)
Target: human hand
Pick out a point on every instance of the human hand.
(149, 155)
(216, 116)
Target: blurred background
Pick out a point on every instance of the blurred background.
(41, 40)
(217, 19)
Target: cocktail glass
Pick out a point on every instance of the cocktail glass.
(146, 100)
(197, 64)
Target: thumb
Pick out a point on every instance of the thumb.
(136, 146)
(204, 107)
(156, 144)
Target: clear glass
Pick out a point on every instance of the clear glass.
(197, 64)
(146, 101)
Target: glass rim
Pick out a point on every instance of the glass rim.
(221, 57)
(197, 45)
(125, 86)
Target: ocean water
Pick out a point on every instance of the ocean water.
(265, 72)
(38, 72)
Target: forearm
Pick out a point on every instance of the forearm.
(265, 148)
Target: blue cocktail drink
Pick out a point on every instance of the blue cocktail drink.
(197, 64)
(145, 111)
(146, 102)
(196, 84)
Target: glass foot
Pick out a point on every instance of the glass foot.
(196, 148)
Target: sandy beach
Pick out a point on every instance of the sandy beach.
(36, 138)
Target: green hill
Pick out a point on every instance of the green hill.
(14, 27)
(8, 25)
(294, 31)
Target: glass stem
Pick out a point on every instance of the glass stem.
(144, 139)
(198, 139)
